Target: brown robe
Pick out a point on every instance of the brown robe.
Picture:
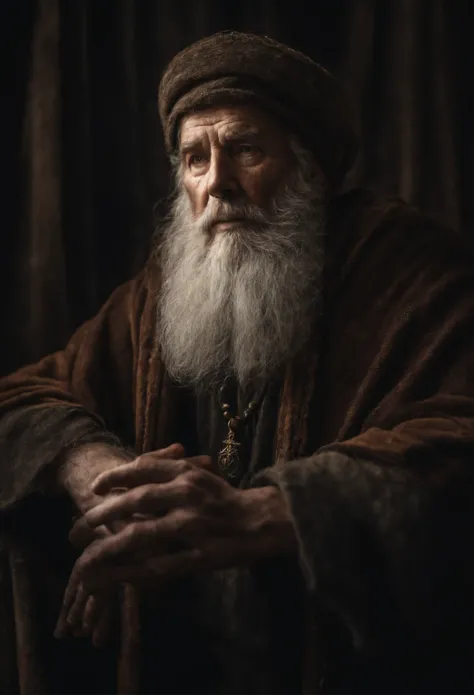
(369, 433)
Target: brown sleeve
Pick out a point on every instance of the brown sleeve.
(384, 512)
(404, 345)
(83, 393)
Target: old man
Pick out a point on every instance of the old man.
(261, 446)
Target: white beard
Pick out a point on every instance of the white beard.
(243, 301)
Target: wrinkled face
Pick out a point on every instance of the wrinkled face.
(241, 255)
(235, 154)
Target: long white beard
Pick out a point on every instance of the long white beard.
(243, 301)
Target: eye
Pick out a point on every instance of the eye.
(196, 160)
(247, 153)
(246, 149)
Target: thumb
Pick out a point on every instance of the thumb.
(81, 534)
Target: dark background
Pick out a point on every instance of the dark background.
(84, 176)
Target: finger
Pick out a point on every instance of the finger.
(63, 626)
(144, 470)
(94, 534)
(173, 451)
(76, 611)
(104, 627)
(81, 534)
(136, 538)
(147, 499)
(92, 611)
(73, 588)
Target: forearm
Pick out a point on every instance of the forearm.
(80, 465)
(270, 522)
(368, 538)
(33, 440)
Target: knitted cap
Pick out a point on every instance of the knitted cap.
(236, 68)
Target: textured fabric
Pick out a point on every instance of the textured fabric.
(381, 565)
(237, 68)
(385, 467)
(56, 400)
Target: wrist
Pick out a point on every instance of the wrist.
(268, 521)
(79, 467)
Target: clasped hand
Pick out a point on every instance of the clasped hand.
(173, 516)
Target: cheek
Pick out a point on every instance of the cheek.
(196, 196)
(262, 186)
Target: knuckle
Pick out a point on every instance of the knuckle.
(189, 487)
(139, 532)
(196, 476)
(183, 465)
(184, 520)
(186, 487)
(133, 532)
(142, 461)
(146, 495)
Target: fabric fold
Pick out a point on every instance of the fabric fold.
(33, 441)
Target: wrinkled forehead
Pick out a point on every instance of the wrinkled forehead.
(225, 123)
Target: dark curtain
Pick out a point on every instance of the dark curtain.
(84, 174)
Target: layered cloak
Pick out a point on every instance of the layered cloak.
(370, 435)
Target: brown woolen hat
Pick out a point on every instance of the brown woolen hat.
(237, 68)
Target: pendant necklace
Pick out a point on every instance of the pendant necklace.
(228, 460)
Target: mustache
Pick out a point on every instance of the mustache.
(224, 211)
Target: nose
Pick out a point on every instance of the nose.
(222, 181)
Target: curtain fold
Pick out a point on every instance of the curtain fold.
(87, 174)
(41, 267)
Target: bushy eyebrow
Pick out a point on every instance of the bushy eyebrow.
(190, 145)
(240, 133)
(232, 135)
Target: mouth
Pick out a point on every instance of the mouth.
(228, 224)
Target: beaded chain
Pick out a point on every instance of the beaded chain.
(228, 460)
